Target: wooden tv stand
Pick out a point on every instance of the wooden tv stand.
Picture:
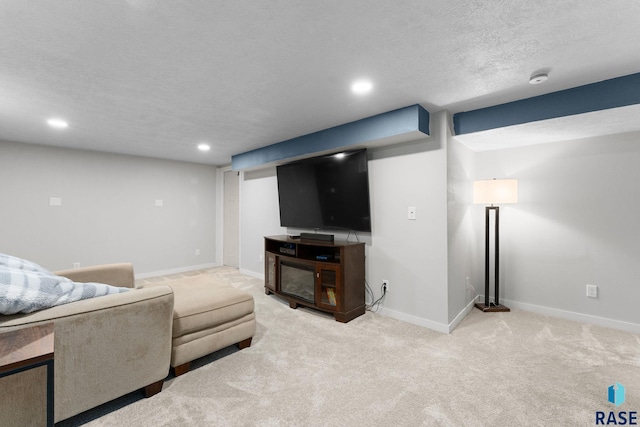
(327, 276)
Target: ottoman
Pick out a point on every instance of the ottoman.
(208, 317)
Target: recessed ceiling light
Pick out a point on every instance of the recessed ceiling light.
(361, 87)
(536, 79)
(204, 147)
(57, 123)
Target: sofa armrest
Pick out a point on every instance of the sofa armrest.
(87, 306)
(120, 275)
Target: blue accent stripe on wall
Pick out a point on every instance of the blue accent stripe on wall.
(613, 93)
(393, 123)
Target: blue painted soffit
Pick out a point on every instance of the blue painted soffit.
(404, 124)
(613, 93)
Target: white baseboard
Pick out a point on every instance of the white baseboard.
(546, 311)
(176, 270)
(461, 316)
(436, 326)
(252, 273)
(572, 315)
(415, 320)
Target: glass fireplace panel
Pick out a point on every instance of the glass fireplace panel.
(298, 280)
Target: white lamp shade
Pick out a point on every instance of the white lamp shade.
(495, 191)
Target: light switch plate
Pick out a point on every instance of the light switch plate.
(412, 212)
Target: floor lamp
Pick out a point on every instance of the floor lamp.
(492, 192)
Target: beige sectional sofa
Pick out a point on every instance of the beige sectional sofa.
(105, 348)
(112, 345)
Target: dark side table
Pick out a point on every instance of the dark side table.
(28, 348)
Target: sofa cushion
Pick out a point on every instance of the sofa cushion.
(200, 305)
(26, 287)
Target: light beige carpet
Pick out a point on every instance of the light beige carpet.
(305, 369)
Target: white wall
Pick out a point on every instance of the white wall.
(412, 255)
(576, 223)
(259, 217)
(463, 286)
(108, 211)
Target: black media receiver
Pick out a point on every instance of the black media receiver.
(288, 249)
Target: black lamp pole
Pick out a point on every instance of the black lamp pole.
(495, 306)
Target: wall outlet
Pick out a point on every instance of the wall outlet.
(197, 252)
(385, 284)
(592, 291)
(468, 283)
(76, 265)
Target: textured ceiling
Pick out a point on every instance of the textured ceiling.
(155, 78)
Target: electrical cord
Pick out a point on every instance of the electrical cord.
(375, 305)
(355, 234)
(368, 292)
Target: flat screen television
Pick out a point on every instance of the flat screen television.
(326, 192)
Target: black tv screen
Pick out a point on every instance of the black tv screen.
(326, 192)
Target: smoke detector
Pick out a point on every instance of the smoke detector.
(536, 79)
